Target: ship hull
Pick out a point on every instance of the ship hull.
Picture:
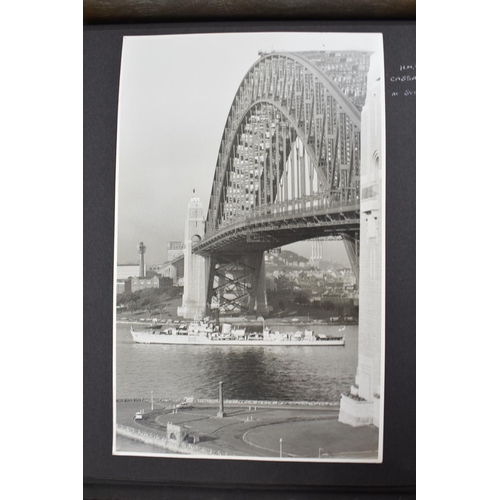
(149, 338)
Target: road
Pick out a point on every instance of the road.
(305, 431)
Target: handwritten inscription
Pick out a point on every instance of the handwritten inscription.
(405, 78)
(403, 84)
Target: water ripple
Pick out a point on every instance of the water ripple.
(260, 373)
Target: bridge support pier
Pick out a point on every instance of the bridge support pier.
(238, 283)
(194, 296)
(362, 406)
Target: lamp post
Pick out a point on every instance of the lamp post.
(151, 400)
(281, 447)
(221, 413)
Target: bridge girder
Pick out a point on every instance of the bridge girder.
(267, 231)
(237, 283)
(283, 100)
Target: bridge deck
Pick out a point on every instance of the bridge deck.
(281, 224)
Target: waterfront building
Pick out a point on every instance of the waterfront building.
(142, 283)
(123, 285)
(174, 249)
(167, 270)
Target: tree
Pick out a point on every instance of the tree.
(301, 298)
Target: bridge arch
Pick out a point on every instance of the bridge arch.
(285, 100)
(288, 169)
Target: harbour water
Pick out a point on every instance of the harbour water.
(251, 373)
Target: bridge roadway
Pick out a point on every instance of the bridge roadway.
(283, 223)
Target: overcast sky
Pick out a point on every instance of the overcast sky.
(175, 95)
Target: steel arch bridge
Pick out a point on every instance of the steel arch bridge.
(288, 169)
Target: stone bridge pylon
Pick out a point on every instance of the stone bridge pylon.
(195, 283)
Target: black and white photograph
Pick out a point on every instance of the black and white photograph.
(249, 270)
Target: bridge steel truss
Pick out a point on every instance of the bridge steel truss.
(288, 169)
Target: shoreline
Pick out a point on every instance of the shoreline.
(241, 322)
(236, 402)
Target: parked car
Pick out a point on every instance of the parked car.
(184, 405)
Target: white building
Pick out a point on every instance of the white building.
(124, 271)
